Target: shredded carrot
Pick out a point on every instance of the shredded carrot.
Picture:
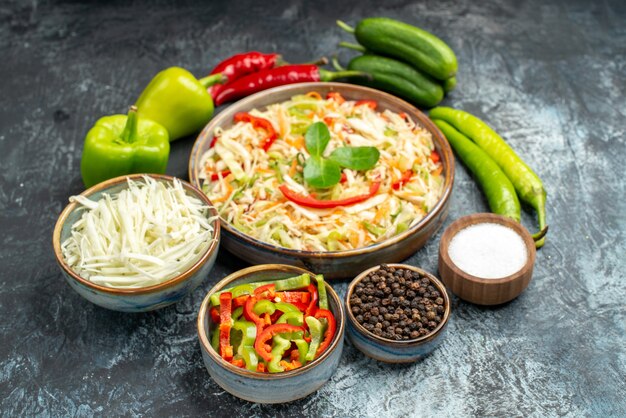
(293, 168)
(437, 171)
(314, 95)
(297, 142)
(336, 97)
(381, 213)
(264, 170)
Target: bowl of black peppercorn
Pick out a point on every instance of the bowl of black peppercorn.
(396, 313)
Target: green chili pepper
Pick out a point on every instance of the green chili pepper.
(121, 144)
(527, 184)
(280, 346)
(315, 328)
(264, 306)
(322, 300)
(178, 101)
(497, 187)
(246, 347)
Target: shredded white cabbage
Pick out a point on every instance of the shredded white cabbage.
(143, 236)
(254, 204)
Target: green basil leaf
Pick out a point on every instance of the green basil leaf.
(321, 172)
(316, 138)
(356, 158)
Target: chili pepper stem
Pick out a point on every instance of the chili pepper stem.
(343, 25)
(129, 134)
(336, 65)
(330, 76)
(212, 79)
(350, 45)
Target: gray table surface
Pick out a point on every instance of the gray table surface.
(548, 75)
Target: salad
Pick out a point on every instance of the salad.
(322, 174)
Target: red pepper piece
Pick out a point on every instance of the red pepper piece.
(226, 350)
(249, 314)
(261, 368)
(406, 176)
(240, 301)
(294, 364)
(265, 291)
(343, 178)
(215, 315)
(330, 329)
(216, 176)
(275, 316)
(279, 76)
(214, 141)
(261, 346)
(311, 202)
(294, 297)
(336, 96)
(238, 363)
(259, 123)
(240, 65)
(369, 103)
(310, 310)
(434, 156)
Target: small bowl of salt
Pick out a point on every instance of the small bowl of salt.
(486, 259)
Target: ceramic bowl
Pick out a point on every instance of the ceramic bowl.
(392, 351)
(139, 299)
(333, 264)
(476, 289)
(264, 387)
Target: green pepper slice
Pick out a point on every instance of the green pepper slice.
(315, 328)
(321, 292)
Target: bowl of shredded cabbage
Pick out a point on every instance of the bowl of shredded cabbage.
(329, 176)
(137, 243)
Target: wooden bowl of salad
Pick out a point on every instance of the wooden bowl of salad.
(332, 177)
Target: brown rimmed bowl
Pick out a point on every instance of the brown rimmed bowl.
(393, 351)
(333, 264)
(479, 290)
(144, 298)
(269, 387)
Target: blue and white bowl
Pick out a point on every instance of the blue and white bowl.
(144, 298)
(269, 387)
(392, 351)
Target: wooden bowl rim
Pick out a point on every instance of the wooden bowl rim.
(478, 218)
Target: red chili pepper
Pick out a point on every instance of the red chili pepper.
(240, 65)
(369, 103)
(434, 156)
(279, 76)
(260, 344)
(259, 123)
(406, 176)
(330, 329)
(226, 350)
(291, 297)
(311, 202)
(310, 310)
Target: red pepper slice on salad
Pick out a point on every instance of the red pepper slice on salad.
(240, 301)
(261, 346)
(249, 314)
(294, 297)
(265, 291)
(330, 329)
(369, 103)
(226, 350)
(216, 176)
(312, 202)
(406, 176)
(259, 123)
(434, 156)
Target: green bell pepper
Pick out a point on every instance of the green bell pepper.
(124, 144)
(178, 101)
(292, 318)
(246, 347)
(280, 346)
(290, 283)
(322, 300)
(303, 349)
(315, 328)
(237, 313)
(297, 282)
(264, 306)
(285, 307)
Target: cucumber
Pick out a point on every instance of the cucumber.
(398, 78)
(420, 48)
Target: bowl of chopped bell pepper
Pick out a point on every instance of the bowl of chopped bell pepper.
(271, 333)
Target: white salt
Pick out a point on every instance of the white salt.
(488, 250)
